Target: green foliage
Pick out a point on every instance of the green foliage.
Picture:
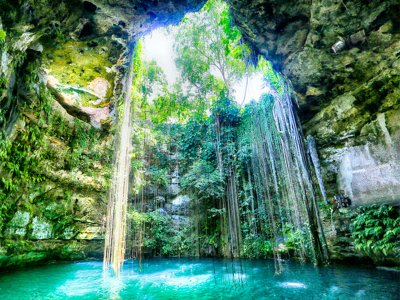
(158, 177)
(191, 143)
(198, 121)
(172, 104)
(60, 37)
(293, 238)
(376, 231)
(159, 235)
(256, 246)
(207, 44)
(83, 138)
(227, 112)
(19, 161)
(274, 80)
(154, 79)
(9, 9)
(3, 82)
(3, 36)
(203, 181)
(43, 137)
(21, 158)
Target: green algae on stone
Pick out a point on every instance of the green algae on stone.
(18, 223)
(40, 229)
(27, 259)
(76, 64)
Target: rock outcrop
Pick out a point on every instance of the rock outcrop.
(61, 70)
(343, 60)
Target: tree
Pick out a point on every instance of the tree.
(211, 56)
(203, 181)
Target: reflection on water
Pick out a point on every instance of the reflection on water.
(199, 279)
(296, 285)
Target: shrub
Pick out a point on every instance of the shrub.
(256, 246)
(376, 231)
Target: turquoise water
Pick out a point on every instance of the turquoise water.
(199, 279)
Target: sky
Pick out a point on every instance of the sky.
(158, 46)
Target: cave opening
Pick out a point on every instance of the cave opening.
(218, 158)
(232, 154)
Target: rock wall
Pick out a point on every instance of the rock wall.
(342, 58)
(61, 70)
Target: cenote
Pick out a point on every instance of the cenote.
(182, 149)
(199, 279)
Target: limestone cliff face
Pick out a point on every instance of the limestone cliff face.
(343, 60)
(61, 70)
(80, 43)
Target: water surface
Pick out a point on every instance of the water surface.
(199, 279)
